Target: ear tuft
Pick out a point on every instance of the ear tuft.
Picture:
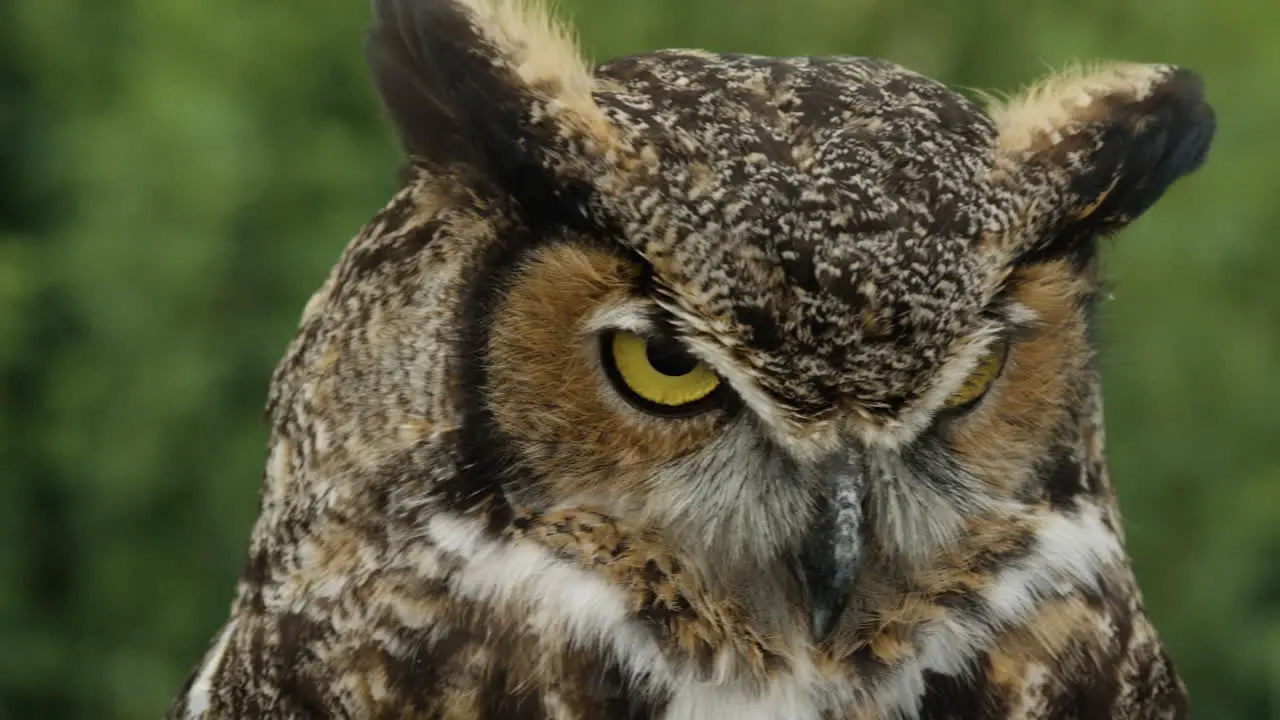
(1097, 148)
(1148, 145)
(493, 90)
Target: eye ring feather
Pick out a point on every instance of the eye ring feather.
(658, 376)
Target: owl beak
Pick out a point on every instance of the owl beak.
(829, 557)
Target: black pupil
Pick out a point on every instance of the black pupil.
(668, 358)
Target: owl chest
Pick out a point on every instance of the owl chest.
(645, 680)
(585, 622)
(787, 697)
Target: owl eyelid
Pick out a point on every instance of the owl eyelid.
(1003, 343)
(633, 316)
(1015, 323)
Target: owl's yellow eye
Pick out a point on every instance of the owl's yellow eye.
(656, 374)
(984, 373)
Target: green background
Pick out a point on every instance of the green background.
(177, 176)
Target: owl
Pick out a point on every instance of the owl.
(707, 386)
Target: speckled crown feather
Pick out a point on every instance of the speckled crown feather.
(822, 212)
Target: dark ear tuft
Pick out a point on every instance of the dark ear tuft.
(452, 100)
(493, 92)
(1145, 147)
(1095, 151)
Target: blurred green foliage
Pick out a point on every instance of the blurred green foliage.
(176, 177)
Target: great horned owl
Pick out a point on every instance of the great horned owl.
(696, 385)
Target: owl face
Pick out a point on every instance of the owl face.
(811, 312)
(604, 390)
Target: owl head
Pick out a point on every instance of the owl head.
(820, 327)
